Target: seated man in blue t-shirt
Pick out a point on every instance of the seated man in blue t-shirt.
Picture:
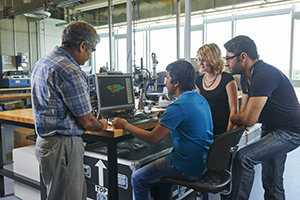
(268, 96)
(190, 122)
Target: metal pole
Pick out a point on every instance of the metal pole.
(178, 28)
(14, 35)
(129, 36)
(110, 35)
(187, 30)
(37, 41)
(292, 53)
(29, 45)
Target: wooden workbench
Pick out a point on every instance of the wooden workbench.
(14, 89)
(20, 115)
(16, 93)
(15, 96)
(24, 118)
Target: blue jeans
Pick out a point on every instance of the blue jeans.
(271, 152)
(150, 175)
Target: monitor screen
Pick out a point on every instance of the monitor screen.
(116, 93)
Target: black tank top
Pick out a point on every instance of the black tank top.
(218, 101)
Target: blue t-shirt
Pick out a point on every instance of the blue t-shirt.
(190, 119)
(282, 110)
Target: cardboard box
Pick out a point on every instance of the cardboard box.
(20, 137)
(11, 105)
(26, 164)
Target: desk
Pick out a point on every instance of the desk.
(14, 89)
(24, 118)
(15, 96)
(10, 94)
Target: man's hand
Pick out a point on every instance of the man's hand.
(250, 113)
(160, 113)
(89, 122)
(105, 123)
(119, 123)
(151, 137)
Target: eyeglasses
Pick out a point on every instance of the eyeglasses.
(231, 57)
(200, 60)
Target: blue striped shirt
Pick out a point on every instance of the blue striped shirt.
(59, 94)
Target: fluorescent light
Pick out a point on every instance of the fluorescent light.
(38, 14)
(91, 5)
(249, 7)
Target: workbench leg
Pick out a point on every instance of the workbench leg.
(3, 146)
(2, 192)
(113, 193)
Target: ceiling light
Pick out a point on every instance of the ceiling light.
(91, 5)
(38, 14)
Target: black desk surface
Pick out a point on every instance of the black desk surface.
(132, 154)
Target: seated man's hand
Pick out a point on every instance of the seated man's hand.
(119, 122)
(105, 123)
(160, 113)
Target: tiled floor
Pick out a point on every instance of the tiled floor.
(291, 177)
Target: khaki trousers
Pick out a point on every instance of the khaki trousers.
(61, 164)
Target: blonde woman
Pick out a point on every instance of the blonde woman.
(217, 87)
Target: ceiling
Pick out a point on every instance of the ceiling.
(96, 12)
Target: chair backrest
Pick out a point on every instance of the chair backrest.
(220, 152)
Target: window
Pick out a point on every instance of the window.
(121, 64)
(270, 28)
(296, 60)
(272, 37)
(196, 20)
(196, 42)
(139, 51)
(102, 54)
(163, 44)
(219, 33)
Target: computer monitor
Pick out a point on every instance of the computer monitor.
(116, 93)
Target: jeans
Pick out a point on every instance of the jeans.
(150, 175)
(271, 152)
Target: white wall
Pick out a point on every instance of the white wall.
(50, 35)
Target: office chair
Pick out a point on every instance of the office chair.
(219, 158)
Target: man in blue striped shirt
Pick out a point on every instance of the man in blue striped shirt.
(62, 112)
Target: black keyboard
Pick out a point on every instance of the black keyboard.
(138, 119)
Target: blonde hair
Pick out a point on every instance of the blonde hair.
(212, 54)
